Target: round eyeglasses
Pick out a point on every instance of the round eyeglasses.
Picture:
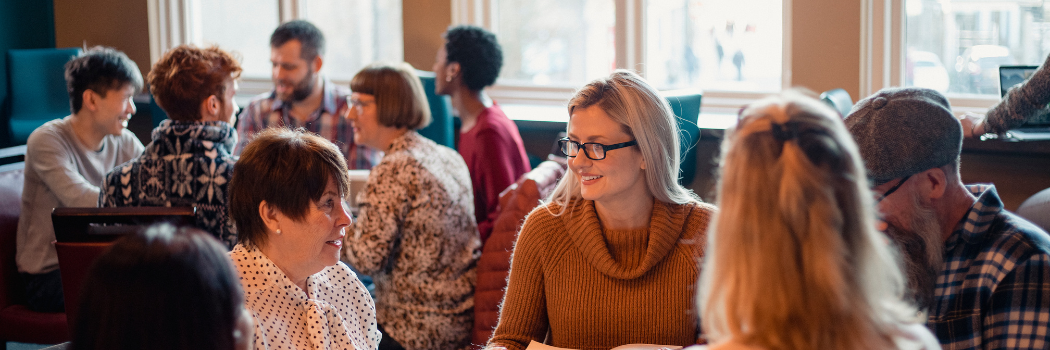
(593, 150)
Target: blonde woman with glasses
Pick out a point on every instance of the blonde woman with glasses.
(610, 258)
(794, 260)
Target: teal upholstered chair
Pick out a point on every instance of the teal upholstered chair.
(442, 126)
(686, 105)
(157, 114)
(37, 83)
(838, 99)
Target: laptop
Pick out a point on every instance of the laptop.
(1035, 128)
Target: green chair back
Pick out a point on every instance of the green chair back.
(442, 126)
(37, 84)
(838, 99)
(686, 106)
(157, 114)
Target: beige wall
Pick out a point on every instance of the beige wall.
(423, 22)
(122, 24)
(825, 45)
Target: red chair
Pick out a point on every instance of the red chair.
(17, 322)
(81, 239)
(514, 204)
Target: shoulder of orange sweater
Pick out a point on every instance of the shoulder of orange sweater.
(702, 213)
(711, 209)
(700, 216)
(546, 212)
(545, 222)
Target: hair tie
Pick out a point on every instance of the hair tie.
(784, 132)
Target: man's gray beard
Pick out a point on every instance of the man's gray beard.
(922, 251)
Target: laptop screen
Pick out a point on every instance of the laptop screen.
(1009, 76)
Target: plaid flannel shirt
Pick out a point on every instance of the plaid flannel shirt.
(994, 289)
(266, 110)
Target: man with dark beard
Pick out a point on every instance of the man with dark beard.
(981, 273)
(301, 97)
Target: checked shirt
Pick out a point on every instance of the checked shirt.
(993, 291)
(266, 111)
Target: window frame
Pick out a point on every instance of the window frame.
(883, 35)
(171, 23)
(630, 54)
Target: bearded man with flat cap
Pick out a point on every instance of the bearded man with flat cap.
(981, 273)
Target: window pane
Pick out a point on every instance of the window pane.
(241, 26)
(956, 46)
(715, 44)
(356, 33)
(556, 42)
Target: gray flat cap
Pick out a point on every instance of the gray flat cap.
(904, 131)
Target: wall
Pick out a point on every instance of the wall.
(23, 25)
(825, 45)
(423, 23)
(121, 24)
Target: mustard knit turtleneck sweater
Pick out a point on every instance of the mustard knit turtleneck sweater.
(596, 289)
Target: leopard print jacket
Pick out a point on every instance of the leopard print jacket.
(416, 236)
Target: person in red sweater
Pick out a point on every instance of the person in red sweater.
(489, 142)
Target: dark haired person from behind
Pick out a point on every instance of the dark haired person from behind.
(189, 162)
(301, 97)
(489, 142)
(67, 158)
(165, 288)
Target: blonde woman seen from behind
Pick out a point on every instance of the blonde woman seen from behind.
(611, 258)
(796, 217)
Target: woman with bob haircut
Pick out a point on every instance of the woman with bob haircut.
(796, 217)
(415, 233)
(611, 258)
(287, 199)
(165, 288)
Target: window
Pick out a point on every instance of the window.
(242, 27)
(550, 47)
(956, 46)
(717, 45)
(556, 42)
(356, 32)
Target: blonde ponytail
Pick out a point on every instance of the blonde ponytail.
(793, 252)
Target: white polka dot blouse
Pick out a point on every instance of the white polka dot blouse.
(335, 312)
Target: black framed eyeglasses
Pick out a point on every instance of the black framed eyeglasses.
(593, 150)
(892, 189)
